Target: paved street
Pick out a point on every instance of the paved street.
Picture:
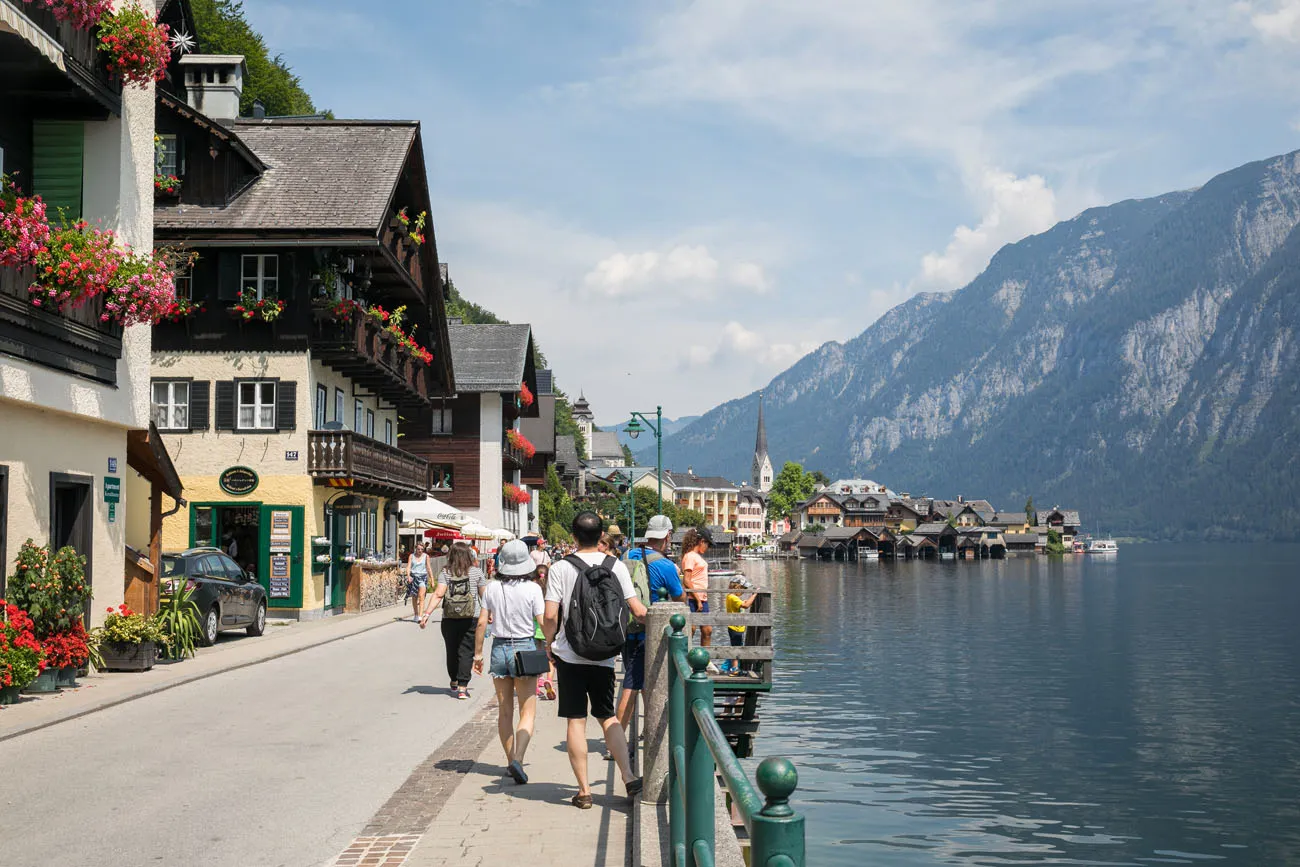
(280, 763)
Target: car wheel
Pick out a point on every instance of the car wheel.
(258, 626)
(211, 626)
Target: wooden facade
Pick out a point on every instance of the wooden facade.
(452, 456)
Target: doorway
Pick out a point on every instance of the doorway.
(71, 523)
(265, 540)
(234, 529)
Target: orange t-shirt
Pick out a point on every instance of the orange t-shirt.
(695, 575)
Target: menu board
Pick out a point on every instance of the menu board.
(281, 531)
(281, 586)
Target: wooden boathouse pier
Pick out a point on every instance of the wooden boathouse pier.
(699, 808)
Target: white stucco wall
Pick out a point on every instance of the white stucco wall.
(489, 456)
(331, 379)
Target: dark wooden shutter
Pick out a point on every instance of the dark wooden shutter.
(286, 405)
(228, 277)
(225, 413)
(58, 159)
(200, 392)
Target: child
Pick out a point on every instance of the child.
(735, 605)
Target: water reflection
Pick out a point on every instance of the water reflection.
(1135, 710)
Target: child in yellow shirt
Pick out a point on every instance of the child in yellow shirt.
(736, 605)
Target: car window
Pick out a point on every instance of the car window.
(232, 570)
(172, 566)
(209, 566)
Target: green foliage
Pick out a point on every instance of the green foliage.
(124, 626)
(51, 588)
(1030, 514)
(628, 458)
(180, 620)
(689, 518)
(790, 487)
(820, 478)
(467, 311)
(554, 507)
(1055, 547)
(814, 528)
(223, 29)
(557, 533)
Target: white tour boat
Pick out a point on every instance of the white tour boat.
(1103, 546)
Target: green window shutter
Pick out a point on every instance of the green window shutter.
(58, 156)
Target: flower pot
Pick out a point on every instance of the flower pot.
(9, 694)
(68, 677)
(129, 657)
(46, 681)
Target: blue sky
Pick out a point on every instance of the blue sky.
(683, 198)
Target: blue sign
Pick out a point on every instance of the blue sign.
(112, 465)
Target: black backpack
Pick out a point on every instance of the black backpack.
(595, 624)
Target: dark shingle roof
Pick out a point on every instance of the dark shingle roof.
(933, 527)
(566, 455)
(605, 444)
(489, 357)
(334, 176)
(684, 480)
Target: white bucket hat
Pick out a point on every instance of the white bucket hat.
(659, 527)
(514, 560)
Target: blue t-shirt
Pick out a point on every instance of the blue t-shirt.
(665, 583)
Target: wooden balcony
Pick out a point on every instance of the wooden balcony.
(512, 457)
(346, 459)
(371, 358)
(76, 342)
(83, 63)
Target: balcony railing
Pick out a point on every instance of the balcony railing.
(352, 460)
(85, 64)
(513, 456)
(371, 357)
(76, 341)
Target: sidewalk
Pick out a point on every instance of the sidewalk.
(232, 650)
(489, 820)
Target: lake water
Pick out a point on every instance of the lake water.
(1138, 709)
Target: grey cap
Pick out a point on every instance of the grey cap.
(659, 527)
(515, 560)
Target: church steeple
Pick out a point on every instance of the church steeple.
(762, 469)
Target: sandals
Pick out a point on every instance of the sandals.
(582, 802)
(517, 771)
(634, 788)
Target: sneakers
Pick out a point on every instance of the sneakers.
(713, 668)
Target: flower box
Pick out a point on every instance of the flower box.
(129, 657)
(46, 681)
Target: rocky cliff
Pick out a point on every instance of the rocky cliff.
(1138, 362)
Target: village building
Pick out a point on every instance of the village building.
(312, 324)
(761, 472)
(712, 496)
(751, 515)
(568, 466)
(78, 464)
(1064, 521)
(467, 437)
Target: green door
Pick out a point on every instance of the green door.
(280, 558)
(58, 159)
(339, 548)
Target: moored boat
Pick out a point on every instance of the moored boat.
(1103, 546)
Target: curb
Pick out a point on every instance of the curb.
(163, 687)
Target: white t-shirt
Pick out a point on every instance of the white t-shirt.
(559, 588)
(514, 604)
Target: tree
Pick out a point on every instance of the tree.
(222, 29)
(553, 503)
(1030, 514)
(820, 478)
(629, 459)
(815, 528)
(790, 487)
(689, 518)
(1055, 547)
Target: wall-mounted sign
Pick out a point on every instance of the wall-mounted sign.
(291, 456)
(112, 490)
(112, 466)
(281, 531)
(348, 505)
(112, 513)
(238, 481)
(281, 584)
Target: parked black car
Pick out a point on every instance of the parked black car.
(227, 597)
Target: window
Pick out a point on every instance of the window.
(358, 416)
(256, 406)
(441, 475)
(184, 280)
(338, 405)
(4, 524)
(168, 155)
(388, 431)
(171, 405)
(261, 274)
(370, 423)
(322, 396)
(442, 420)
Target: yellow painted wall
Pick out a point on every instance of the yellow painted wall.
(36, 442)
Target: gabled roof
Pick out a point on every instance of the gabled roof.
(604, 444)
(810, 540)
(839, 534)
(790, 537)
(335, 176)
(711, 483)
(1069, 517)
(1007, 518)
(566, 455)
(487, 358)
(933, 527)
(1020, 538)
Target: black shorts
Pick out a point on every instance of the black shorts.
(582, 683)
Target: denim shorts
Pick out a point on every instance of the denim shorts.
(696, 605)
(503, 655)
(634, 661)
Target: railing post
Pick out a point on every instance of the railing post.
(657, 755)
(777, 835)
(700, 769)
(677, 789)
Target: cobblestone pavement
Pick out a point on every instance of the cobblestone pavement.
(459, 807)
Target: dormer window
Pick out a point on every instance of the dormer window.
(261, 274)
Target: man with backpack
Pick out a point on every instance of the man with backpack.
(656, 579)
(589, 598)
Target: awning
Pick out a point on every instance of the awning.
(432, 512)
(147, 455)
(12, 20)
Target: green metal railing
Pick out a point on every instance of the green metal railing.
(696, 747)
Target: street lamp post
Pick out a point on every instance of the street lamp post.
(634, 429)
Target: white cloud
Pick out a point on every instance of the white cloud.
(682, 267)
(1012, 209)
(1283, 23)
(736, 343)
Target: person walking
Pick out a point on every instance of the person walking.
(545, 682)
(597, 580)
(417, 578)
(656, 580)
(695, 574)
(514, 602)
(460, 587)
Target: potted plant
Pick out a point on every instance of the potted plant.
(66, 653)
(128, 641)
(250, 307)
(137, 46)
(179, 618)
(22, 659)
(52, 590)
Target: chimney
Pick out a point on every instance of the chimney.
(960, 499)
(214, 84)
(259, 110)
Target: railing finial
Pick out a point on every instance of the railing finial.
(678, 623)
(777, 779)
(699, 659)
